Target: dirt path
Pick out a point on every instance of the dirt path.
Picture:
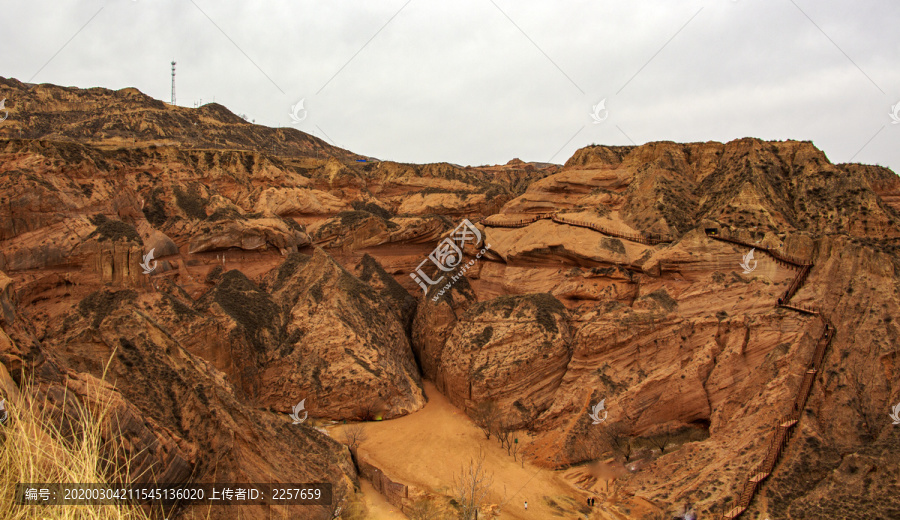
(378, 507)
(426, 449)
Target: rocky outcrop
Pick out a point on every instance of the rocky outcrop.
(156, 240)
(666, 188)
(118, 263)
(512, 351)
(311, 331)
(360, 229)
(433, 324)
(170, 414)
(203, 428)
(248, 234)
(289, 201)
(345, 347)
(7, 300)
(127, 116)
(460, 203)
(401, 302)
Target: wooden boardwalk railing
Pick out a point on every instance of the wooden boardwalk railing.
(774, 253)
(800, 308)
(515, 223)
(784, 428)
(641, 239)
(652, 239)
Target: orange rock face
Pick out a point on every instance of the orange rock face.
(283, 276)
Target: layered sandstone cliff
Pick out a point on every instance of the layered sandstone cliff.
(286, 276)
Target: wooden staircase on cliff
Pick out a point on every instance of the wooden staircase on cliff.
(784, 427)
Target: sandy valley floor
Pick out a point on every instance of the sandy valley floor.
(426, 449)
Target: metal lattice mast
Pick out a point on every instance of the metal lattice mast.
(173, 82)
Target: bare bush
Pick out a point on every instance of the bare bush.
(346, 504)
(486, 415)
(505, 436)
(354, 435)
(371, 410)
(661, 440)
(471, 487)
(508, 438)
(615, 438)
(514, 448)
(424, 509)
(589, 446)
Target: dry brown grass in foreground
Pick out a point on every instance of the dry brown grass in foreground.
(33, 448)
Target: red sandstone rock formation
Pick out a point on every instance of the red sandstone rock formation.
(283, 276)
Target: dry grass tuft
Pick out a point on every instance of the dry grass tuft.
(40, 444)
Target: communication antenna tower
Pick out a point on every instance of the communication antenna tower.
(173, 82)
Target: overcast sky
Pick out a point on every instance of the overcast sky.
(483, 81)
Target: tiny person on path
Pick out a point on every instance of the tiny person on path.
(526, 505)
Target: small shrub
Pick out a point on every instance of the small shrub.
(113, 230)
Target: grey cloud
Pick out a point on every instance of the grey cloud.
(459, 82)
